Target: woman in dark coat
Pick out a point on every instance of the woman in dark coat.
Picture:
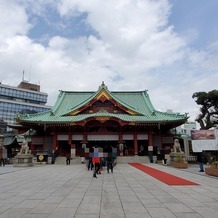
(200, 161)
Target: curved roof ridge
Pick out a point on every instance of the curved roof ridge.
(81, 103)
(123, 103)
(173, 114)
(68, 106)
(58, 101)
(32, 115)
(101, 88)
(160, 116)
(93, 94)
(147, 99)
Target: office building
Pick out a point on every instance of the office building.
(25, 98)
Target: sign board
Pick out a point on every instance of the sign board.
(203, 134)
(204, 140)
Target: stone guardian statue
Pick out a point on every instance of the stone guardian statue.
(24, 147)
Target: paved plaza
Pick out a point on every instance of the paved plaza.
(70, 191)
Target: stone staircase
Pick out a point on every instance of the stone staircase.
(120, 160)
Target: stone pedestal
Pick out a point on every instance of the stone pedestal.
(180, 165)
(177, 159)
(23, 160)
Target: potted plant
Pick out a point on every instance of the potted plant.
(212, 169)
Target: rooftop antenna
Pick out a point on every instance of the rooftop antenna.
(23, 76)
(30, 73)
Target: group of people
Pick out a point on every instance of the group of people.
(96, 164)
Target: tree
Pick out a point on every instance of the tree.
(209, 108)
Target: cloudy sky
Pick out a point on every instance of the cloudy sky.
(168, 47)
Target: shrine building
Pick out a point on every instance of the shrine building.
(79, 121)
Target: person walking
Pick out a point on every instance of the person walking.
(96, 162)
(2, 162)
(90, 164)
(109, 164)
(67, 159)
(200, 161)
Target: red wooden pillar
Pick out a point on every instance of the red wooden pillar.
(32, 147)
(54, 142)
(120, 143)
(120, 136)
(70, 137)
(70, 143)
(135, 143)
(44, 146)
(150, 139)
(150, 146)
(84, 136)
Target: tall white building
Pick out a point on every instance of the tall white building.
(187, 127)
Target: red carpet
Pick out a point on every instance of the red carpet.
(162, 176)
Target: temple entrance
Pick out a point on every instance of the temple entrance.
(142, 148)
(102, 144)
(63, 148)
(108, 141)
(85, 149)
(128, 148)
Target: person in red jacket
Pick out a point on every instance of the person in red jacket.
(96, 162)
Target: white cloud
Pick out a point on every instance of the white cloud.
(133, 48)
(14, 19)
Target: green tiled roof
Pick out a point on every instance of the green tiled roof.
(137, 101)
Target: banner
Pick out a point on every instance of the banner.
(204, 140)
(202, 134)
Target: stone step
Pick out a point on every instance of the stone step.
(132, 159)
(120, 160)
